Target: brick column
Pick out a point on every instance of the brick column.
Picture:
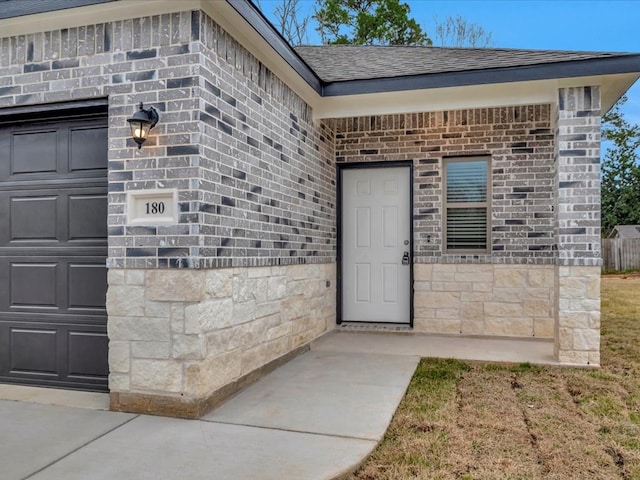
(577, 333)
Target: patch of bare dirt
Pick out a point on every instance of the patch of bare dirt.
(623, 276)
(491, 439)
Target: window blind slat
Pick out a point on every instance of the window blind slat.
(467, 181)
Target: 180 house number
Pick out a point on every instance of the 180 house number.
(154, 208)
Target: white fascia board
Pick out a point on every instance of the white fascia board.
(438, 99)
(92, 14)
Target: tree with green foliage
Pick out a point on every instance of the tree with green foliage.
(368, 22)
(620, 171)
(372, 22)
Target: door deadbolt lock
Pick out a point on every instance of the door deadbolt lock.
(405, 258)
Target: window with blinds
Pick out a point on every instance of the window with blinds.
(466, 205)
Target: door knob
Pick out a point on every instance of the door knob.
(405, 258)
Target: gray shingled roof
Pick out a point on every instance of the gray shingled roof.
(626, 231)
(349, 70)
(18, 8)
(333, 63)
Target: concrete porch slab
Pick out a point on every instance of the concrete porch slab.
(512, 350)
(316, 417)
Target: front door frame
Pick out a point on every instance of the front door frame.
(368, 165)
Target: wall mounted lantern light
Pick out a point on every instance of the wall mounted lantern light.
(141, 122)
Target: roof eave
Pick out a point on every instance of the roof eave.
(488, 95)
(254, 17)
(628, 63)
(22, 8)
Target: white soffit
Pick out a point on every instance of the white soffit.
(435, 99)
(472, 96)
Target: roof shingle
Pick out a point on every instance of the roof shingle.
(334, 63)
(625, 231)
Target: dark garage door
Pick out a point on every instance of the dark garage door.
(53, 246)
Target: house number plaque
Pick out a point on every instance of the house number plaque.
(152, 207)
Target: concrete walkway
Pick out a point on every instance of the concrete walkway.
(316, 417)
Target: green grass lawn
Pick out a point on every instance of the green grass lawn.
(463, 420)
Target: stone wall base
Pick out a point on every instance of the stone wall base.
(192, 408)
(577, 339)
(179, 337)
(485, 299)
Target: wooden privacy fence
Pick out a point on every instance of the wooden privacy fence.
(621, 254)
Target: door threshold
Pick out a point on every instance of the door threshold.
(374, 327)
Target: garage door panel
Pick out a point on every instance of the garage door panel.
(33, 285)
(87, 286)
(82, 358)
(54, 354)
(34, 218)
(51, 151)
(62, 217)
(5, 154)
(33, 351)
(88, 149)
(54, 284)
(87, 214)
(34, 151)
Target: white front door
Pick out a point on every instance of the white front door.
(376, 232)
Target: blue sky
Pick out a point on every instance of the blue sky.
(596, 25)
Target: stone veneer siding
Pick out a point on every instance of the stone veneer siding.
(485, 299)
(256, 189)
(179, 336)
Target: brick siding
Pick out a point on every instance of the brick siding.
(520, 143)
(578, 176)
(255, 176)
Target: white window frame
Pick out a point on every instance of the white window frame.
(446, 206)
